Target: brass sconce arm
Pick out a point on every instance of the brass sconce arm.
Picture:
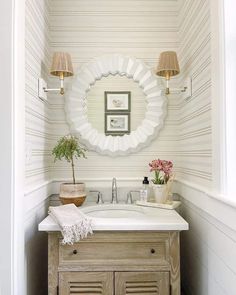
(61, 67)
(61, 89)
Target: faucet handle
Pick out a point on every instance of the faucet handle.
(129, 199)
(99, 198)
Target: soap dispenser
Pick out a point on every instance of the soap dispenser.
(144, 192)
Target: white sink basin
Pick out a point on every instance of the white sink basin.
(114, 211)
(125, 217)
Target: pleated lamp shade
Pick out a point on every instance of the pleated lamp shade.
(168, 64)
(61, 63)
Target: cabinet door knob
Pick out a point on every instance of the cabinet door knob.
(153, 251)
(75, 251)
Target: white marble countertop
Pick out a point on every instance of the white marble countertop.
(121, 217)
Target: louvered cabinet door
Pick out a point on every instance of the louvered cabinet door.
(86, 283)
(140, 283)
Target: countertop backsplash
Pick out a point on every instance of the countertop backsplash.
(106, 194)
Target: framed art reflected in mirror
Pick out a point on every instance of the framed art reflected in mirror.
(118, 101)
(79, 111)
(117, 124)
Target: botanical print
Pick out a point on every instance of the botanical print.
(117, 123)
(117, 101)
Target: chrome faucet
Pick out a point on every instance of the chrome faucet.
(114, 199)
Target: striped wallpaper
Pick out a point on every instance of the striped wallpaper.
(194, 121)
(88, 29)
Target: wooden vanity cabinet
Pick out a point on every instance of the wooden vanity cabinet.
(115, 263)
(87, 283)
(117, 283)
(142, 283)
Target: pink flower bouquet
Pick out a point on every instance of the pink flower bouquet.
(162, 169)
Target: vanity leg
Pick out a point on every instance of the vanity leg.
(53, 261)
(175, 263)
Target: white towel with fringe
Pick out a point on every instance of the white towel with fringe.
(74, 224)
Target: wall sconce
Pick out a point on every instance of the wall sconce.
(61, 67)
(168, 67)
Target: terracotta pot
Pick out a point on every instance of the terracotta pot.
(160, 193)
(72, 193)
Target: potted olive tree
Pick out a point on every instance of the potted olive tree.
(69, 149)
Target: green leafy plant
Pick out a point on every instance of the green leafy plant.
(68, 148)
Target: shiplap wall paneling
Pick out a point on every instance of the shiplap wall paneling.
(208, 254)
(36, 251)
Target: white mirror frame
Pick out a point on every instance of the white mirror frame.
(76, 105)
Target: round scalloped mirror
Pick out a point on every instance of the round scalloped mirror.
(77, 106)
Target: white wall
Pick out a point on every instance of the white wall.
(208, 252)
(36, 255)
(6, 190)
(37, 137)
(12, 147)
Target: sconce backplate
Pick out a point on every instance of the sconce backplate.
(188, 86)
(41, 86)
